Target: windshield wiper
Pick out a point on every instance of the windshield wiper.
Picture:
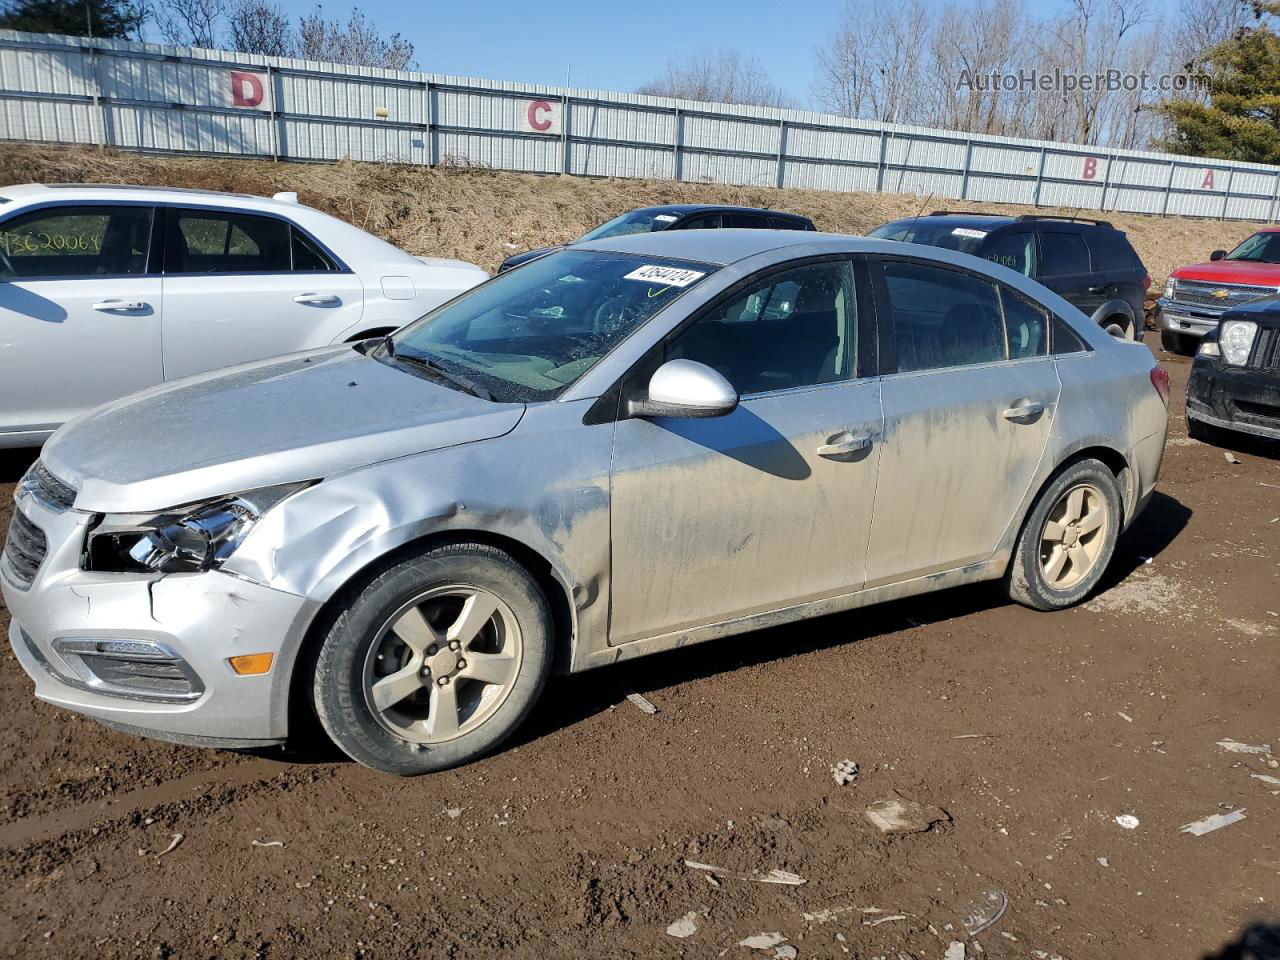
(436, 369)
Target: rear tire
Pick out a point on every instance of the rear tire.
(1174, 343)
(435, 661)
(1068, 538)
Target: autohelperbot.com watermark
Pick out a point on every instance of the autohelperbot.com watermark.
(1034, 80)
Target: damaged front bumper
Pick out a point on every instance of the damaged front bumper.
(149, 653)
(1244, 399)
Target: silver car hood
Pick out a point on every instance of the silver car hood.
(301, 417)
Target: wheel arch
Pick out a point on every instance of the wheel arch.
(558, 595)
(370, 334)
(1115, 308)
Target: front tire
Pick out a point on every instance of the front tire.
(1174, 343)
(1068, 538)
(435, 661)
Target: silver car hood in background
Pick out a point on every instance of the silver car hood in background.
(302, 417)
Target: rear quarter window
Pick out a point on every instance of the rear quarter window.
(1111, 250)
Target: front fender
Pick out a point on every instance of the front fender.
(537, 487)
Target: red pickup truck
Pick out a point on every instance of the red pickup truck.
(1196, 295)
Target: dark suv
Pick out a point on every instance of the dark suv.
(1235, 381)
(678, 216)
(1089, 263)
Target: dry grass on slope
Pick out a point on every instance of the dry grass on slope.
(481, 215)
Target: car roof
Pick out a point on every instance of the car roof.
(724, 247)
(986, 220)
(714, 208)
(133, 191)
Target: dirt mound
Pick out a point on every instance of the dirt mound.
(484, 216)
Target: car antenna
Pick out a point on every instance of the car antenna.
(919, 211)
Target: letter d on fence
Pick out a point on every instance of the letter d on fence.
(248, 89)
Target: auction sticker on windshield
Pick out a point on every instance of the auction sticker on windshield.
(667, 276)
(966, 232)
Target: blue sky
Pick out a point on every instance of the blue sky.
(612, 46)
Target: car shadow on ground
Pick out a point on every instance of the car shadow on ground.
(1257, 941)
(1233, 440)
(573, 699)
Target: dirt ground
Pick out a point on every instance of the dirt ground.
(484, 216)
(1032, 731)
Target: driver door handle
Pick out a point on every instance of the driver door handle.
(315, 299)
(112, 306)
(1024, 411)
(843, 445)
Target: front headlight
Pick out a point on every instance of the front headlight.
(198, 536)
(1168, 289)
(1236, 340)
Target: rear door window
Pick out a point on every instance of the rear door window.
(943, 318)
(217, 241)
(749, 221)
(1026, 325)
(71, 241)
(1063, 254)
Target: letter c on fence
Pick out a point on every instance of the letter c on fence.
(246, 89)
(1090, 168)
(541, 124)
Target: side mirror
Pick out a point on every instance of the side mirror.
(1217, 255)
(686, 388)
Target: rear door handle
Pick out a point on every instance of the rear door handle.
(844, 445)
(315, 299)
(113, 306)
(1097, 289)
(1024, 411)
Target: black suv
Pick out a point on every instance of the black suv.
(678, 216)
(1089, 263)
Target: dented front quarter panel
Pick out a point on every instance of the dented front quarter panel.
(544, 486)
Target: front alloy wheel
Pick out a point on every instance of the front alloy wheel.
(443, 664)
(434, 661)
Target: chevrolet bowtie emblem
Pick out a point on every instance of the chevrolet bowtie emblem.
(1221, 294)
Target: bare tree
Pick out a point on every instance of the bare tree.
(356, 42)
(870, 67)
(190, 23)
(724, 76)
(260, 26)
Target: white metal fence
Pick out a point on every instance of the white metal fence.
(151, 97)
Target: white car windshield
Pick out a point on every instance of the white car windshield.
(528, 334)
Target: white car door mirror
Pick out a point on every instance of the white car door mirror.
(686, 388)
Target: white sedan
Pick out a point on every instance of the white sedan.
(105, 290)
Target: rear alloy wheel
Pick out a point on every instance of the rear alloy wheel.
(1119, 327)
(1068, 539)
(436, 661)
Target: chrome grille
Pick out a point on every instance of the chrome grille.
(1198, 293)
(47, 488)
(1266, 349)
(24, 549)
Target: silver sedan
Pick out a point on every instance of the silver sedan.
(634, 445)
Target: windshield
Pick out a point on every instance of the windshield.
(932, 234)
(1260, 248)
(637, 221)
(528, 334)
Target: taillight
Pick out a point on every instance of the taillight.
(1160, 380)
(1146, 281)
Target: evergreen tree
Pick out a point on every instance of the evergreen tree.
(79, 18)
(1241, 120)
